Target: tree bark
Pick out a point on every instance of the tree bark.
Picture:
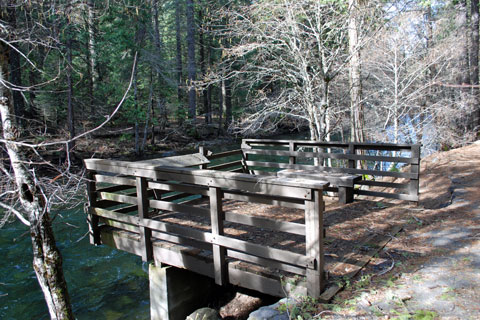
(192, 69)
(462, 20)
(92, 54)
(70, 108)
(203, 66)
(356, 107)
(15, 70)
(474, 60)
(178, 38)
(47, 260)
(158, 45)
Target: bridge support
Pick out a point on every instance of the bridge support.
(175, 293)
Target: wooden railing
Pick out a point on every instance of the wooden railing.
(371, 160)
(134, 208)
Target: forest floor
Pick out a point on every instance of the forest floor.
(430, 270)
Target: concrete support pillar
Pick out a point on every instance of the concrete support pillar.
(175, 293)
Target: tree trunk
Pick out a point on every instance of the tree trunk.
(221, 102)
(47, 260)
(356, 107)
(461, 21)
(474, 61)
(158, 45)
(228, 104)
(192, 69)
(178, 38)
(203, 67)
(92, 54)
(70, 111)
(15, 70)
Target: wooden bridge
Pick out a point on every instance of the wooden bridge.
(197, 218)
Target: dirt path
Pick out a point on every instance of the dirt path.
(432, 269)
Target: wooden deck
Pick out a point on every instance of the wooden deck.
(244, 226)
(134, 208)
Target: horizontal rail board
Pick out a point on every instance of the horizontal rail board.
(340, 156)
(171, 228)
(181, 240)
(222, 179)
(383, 184)
(336, 170)
(122, 198)
(109, 214)
(276, 225)
(224, 154)
(187, 188)
(169, 206)
(115, 180)
(408, 197)
(271, 200)
(266, 262)
(288, 257)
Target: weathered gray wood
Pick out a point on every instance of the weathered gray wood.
(203, 151)
(276, 225)
(92, 220)
(266, 262)
(219, 252)
(177, 230)
(169, 206)
(314, 243)
(115, 180)
(383, 184)
(351, 151)
(181, 240)
(345, 194)
(187, 188)
(143, 207)
(399, 196)
(230, 180)
(122, 198)
(291, 148)
(265, 199)
(109, 214)
(414, 186)
(187, 160)
(284, 256)
(340, 156)
(408, 175)
(336, 179)
(271, 286)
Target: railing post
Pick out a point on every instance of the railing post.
(351, 150)
(291, 148)
(145, 233)
(219, 252)
(204, 152)
(314, 236)
(413, 186)
(92, 220)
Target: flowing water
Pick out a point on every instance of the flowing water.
(104, 283)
